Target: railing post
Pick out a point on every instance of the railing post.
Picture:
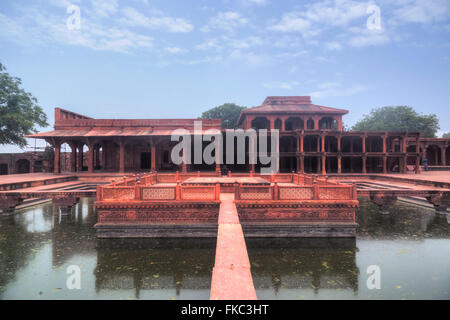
(177, 176)
(198, 173)
(276, 195)
(236, 191)
(316, 191)
(137, 192)
(99, 192)
(178, 191)
(354, 191)
(217, 191)
(251, 173)
(229, 173)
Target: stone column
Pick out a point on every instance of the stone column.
(153, 156)
(302, 164)
(80, 158)
(91, 158)
(121, 156)
(324, 162)
(364, 164)
(316, 124)
(363, 143)
(305, 124)
(57, 159)
(339, 164)
(73, 158)
(384, 143)
(302, 143)
(323, 143)
(339, 143)
(443, 156)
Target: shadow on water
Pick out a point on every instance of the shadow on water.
(154, 264)
(280, 264)
(405, 221)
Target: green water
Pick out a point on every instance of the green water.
(411, 247)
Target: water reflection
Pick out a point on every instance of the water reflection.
(405, 221)
(280, 264)
(155, 264)
(410, 245)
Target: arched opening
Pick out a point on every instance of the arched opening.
(374, 165)
(434, 155)
(293, 123)
(331, 144)
(65, 157)
(22, 166)
(374, 144)
(311, 143)
(351, 144)
(260, 123)
(277, 124)
(447, 156)
(327, 123)
(288, 144)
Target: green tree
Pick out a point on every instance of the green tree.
(446, 135)
(19, 112)
(228, 113)
(399, 118)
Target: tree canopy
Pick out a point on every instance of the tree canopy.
(228, 113)
(446, 135)
(19, 112)
(399, 118)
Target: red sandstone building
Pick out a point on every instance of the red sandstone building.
(312, 140)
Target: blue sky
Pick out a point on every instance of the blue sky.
(176, 59)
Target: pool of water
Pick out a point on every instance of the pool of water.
(410, 247)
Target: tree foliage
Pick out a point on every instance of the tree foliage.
(228, 113)
(399, 118)
(19, 112)
(446, 135)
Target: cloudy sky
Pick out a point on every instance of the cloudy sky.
(178, 58)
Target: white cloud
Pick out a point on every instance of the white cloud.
(174, 50)
(227, 21)
(259, 2)
(422, 11)
(333, 46)
(335, 89)
(281, 85)
(132, 17)
(104, 8)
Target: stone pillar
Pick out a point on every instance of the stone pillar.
(323, 143)
(73, 158)
(363, 144)
(302, 143)
(305, 124)
(153, 156)
(80, 158)
(384, 144)
(339, 164)
(272, 123)
(339, 143)
(364, 164)
(302, 164)
(283, 126)
(417, 171)
(103, 163)
(57, 160)
(316, 123)
(122, 157)
(443, 156)
(324, 162)
(318, 165)
(91, 158)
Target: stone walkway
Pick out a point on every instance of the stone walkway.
(231, 278)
